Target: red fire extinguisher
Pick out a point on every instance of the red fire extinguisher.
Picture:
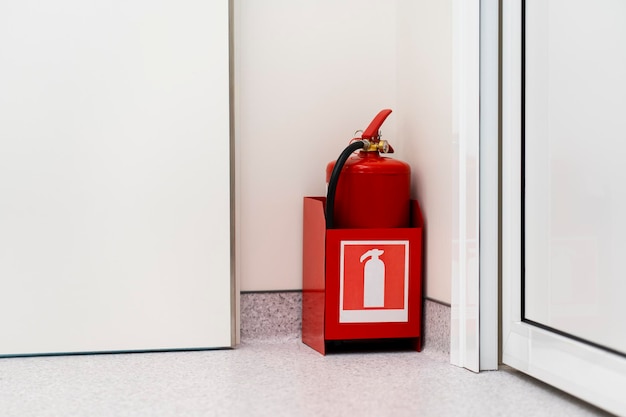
(367, 190)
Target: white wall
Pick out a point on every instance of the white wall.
(307, 75)
(425, 122)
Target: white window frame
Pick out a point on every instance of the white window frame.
(592, 374)
(474, 324)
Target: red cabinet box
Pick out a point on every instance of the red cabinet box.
(360, 284)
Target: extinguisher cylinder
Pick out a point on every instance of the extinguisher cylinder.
(372, 192)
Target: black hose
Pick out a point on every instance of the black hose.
(334, 179)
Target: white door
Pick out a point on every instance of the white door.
(114, 176)
(564, 101)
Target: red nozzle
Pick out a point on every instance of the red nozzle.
(372, 130)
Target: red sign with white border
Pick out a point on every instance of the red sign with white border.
(373, 281)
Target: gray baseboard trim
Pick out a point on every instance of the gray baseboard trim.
(437, 326)
(271, 315)
(277, 315)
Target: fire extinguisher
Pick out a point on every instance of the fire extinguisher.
(367, 190)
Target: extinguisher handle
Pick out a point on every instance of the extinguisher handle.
(372, 130)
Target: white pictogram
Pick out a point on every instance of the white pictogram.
(373, 279)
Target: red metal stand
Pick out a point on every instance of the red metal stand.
(334, 304)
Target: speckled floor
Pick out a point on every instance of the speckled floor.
(273, 374)
(271, 378)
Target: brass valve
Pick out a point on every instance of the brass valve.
(381, 146)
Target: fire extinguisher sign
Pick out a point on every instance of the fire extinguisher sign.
(374, 281)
